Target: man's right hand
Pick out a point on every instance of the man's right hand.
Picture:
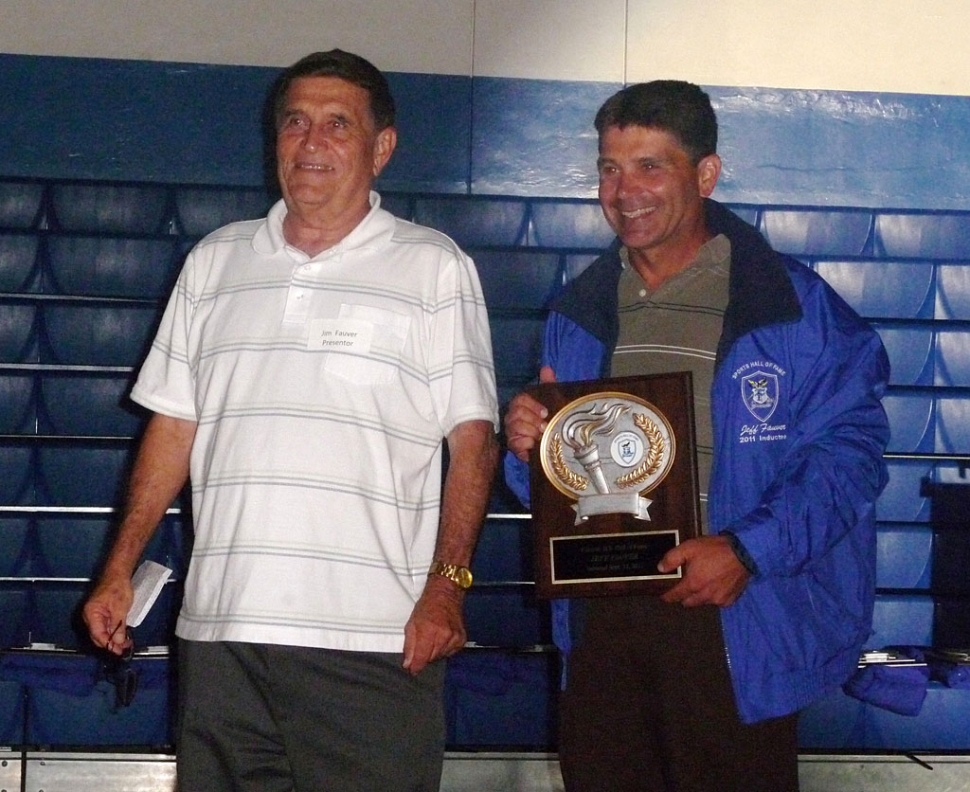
(106, 611)
(525, 420)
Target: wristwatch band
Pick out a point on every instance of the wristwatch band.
(459, 575)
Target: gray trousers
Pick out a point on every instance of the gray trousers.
(258, 718)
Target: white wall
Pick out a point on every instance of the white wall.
(859, 45)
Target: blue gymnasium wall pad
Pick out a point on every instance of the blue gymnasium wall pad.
(79, 118)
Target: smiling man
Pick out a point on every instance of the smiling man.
(307, 370)
(698, 690)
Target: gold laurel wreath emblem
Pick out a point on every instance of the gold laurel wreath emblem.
(566, 476)
(652, 461)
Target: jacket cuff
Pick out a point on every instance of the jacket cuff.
(741, 552)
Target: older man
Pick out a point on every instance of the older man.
(306, 371)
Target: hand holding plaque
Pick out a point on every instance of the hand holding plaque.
(607, 444)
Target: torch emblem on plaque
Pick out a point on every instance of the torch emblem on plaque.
(605, 451)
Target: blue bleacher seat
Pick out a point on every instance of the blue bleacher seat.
(103, 335)
(953, 291)
(501, 700)
(20, 204)
(72, 545)
(158, 628)
(940, 725)
(12, 705)
(398, 204)
(951, 563)
(112, 266)
(952, 355)
(18, 332)
(901, 500)
(953, 425)
(18, 415)
(911, 353)
(750, 214)
(95, 404)
(833, 723)
(516, 344)
(817, 232)
(171, 544)
(901, 620)
(16, 546)
(951, 618)
(72, 704)
(56, 616)
(569, 224)
(73, 475)
(508, 616)
(110, 208)
(202, 210)
(17, 475)
(474, 223)
(504, 552)
(904, 556)
(518, 280)
(14, 614)
(912, 422)
(18, 258)
(575, 264)
(944, 235)
(885, 289)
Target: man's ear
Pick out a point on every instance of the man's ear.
(384, 146)
(708, 172)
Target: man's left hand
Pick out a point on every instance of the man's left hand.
(436, 628)
(713, 575)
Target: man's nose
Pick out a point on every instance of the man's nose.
(315, 137)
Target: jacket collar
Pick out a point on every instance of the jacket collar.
(756, 271)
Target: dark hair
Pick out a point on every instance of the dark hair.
(678, 107)
(347, 66)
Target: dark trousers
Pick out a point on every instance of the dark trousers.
(257, 718)
(648, 707)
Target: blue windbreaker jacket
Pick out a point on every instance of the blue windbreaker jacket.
(799, 433)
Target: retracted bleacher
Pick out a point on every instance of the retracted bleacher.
(84, 269)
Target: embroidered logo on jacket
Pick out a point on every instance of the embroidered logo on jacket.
(760, 394)
(760, 382)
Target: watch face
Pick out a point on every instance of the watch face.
(464, 577)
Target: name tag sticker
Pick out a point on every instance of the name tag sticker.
(341, 335)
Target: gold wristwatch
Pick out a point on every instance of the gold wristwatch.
(459, 575)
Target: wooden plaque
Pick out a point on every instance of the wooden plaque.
(614, 484)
